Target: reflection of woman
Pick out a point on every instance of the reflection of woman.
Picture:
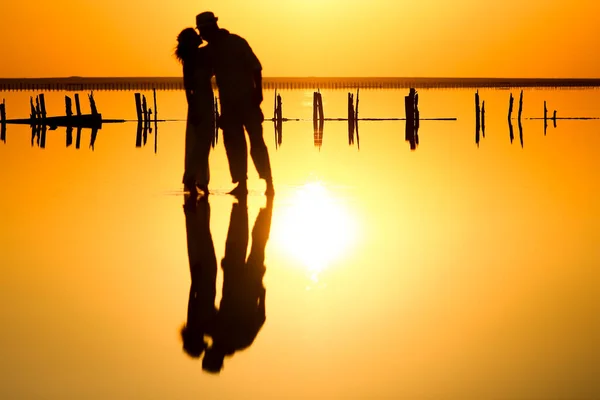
(203, 270)
(199, 130)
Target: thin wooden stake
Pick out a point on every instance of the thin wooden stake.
(138, 106)
(77, 105)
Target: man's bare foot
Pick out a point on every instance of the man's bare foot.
(240, 190)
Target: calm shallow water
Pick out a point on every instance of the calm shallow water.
(454, 271)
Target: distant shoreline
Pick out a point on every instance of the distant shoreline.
(176, 83)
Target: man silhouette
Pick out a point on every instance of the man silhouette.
(241, 312)
(238, 73)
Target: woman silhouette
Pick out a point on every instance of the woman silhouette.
(200, 127)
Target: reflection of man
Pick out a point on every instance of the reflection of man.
(239, 78)
(241, 313)
(242, 310)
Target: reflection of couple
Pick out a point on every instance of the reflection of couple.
(239, 79)
(241, 313)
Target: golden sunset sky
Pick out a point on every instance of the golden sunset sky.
(459, 38)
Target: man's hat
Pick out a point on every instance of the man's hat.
(205, 19)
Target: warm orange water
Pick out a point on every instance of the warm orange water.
(455, 271)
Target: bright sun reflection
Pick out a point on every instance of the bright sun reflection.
(315, 228)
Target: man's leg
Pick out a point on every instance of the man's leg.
(235, 147)
(258, 149)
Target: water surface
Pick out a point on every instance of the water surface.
(458, 270)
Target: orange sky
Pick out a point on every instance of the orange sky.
(458, 38)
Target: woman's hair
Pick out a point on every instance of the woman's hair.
(188, 40)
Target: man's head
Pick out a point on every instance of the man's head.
(206, 23)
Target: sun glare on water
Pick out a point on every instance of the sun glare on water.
(315, 228)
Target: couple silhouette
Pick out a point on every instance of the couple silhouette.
(241, 313)
(238, 73)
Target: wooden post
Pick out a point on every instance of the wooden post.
(417, 114)
(279, 112)
(3, 119)
(350, 118)
(356, 110)
(477, 113)
(33, 114)
(320, 105)
(510, 105)
(315, 107)
(43, 105)
(138, 106)
(144, 109)
(483, 118)
(155, 107)
(77, 105)
(38, 110)
(409, 108)
(554, 118)
(275, 106)
(520, 105)
(3, 111)
(279, 123)
(68, 106)
(93, 104)
(545, 118)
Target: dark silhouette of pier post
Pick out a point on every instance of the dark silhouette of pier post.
(144, 110)
(138, 106)
(410, 104)
(483, 118)
(77, 105)
(68, 106)
(69, 114)
(278, 121)
(155, 107)
(32, 112)
(93, 104)
(356, 118)
(42, 106)
(545, 118)
(477, 114)
(520, 105)
(3, 121)
(350, 118)
(318, 119)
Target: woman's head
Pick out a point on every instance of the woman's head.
(188, 40)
